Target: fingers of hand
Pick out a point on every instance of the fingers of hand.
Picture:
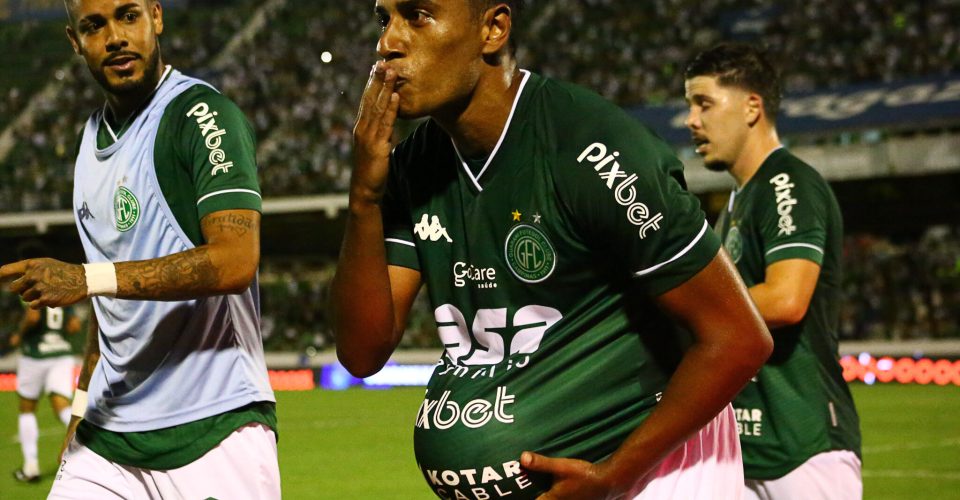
(13, 271)
(389, 117)
(377, 96)
(537, 462)
(370, 102)
(21, 284)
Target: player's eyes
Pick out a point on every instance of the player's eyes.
(130, 17)
(90, 27)
(419, 17)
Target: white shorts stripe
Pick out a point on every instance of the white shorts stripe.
(677, 256)
(400, 242)
(227, 191)
(794, 245)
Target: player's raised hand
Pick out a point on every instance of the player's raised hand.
(372, 134)
(46, 282)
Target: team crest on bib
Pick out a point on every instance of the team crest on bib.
(126, 209)
(530, 256)
(734, 244)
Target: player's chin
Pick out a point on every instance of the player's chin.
(408, 111)
(119, 84)
(715, 165)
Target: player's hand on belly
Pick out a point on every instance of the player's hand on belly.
(46, 282)
(372, 135)
(572, 479)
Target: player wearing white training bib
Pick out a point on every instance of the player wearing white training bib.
(167, 206)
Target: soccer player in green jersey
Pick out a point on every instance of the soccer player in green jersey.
(782, 226)
(561, 254)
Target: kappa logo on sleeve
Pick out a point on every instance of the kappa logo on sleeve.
(624, 192)
(785, 203)
(213, 137)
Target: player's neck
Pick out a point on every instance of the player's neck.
(755, 151)
(477, 129)
(123, 105)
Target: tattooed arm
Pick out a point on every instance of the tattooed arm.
(226, 264)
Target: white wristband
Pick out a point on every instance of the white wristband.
(101, 279)
(79, 407)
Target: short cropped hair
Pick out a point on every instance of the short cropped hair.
(744, 66)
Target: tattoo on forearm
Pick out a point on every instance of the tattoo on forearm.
(234, 223)
(180, 276)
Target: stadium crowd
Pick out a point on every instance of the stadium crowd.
(299, 78)
(892, 291)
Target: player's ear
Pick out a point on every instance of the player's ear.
(156, 12)
(497, 23)
(753, 108)
(74, 42)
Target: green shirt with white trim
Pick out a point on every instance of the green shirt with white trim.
(798, 405)
(542, 263)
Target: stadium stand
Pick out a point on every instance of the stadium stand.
(302, 107)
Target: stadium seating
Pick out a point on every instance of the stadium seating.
(302, 109)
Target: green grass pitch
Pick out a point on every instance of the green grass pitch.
(357, 444)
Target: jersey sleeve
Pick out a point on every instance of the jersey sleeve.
(792, 216)
(624, 191)
(397, 226)
(218, 144)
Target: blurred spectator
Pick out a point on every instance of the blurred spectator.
(902, 292)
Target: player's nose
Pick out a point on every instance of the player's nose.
(692, 121)
(390, 44)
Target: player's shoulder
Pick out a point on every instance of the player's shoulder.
(784, 168)
(199, 100)
(579, 108)
(583, 119)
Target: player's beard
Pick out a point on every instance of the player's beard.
(131, 86)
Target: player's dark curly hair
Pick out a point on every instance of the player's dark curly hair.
(744, 66)
(516, 9)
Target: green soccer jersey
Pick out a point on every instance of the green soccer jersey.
(798, 405)
(541, 263)
(48, 337)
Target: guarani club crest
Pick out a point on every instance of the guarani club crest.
(529, 253)
(126, 209)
